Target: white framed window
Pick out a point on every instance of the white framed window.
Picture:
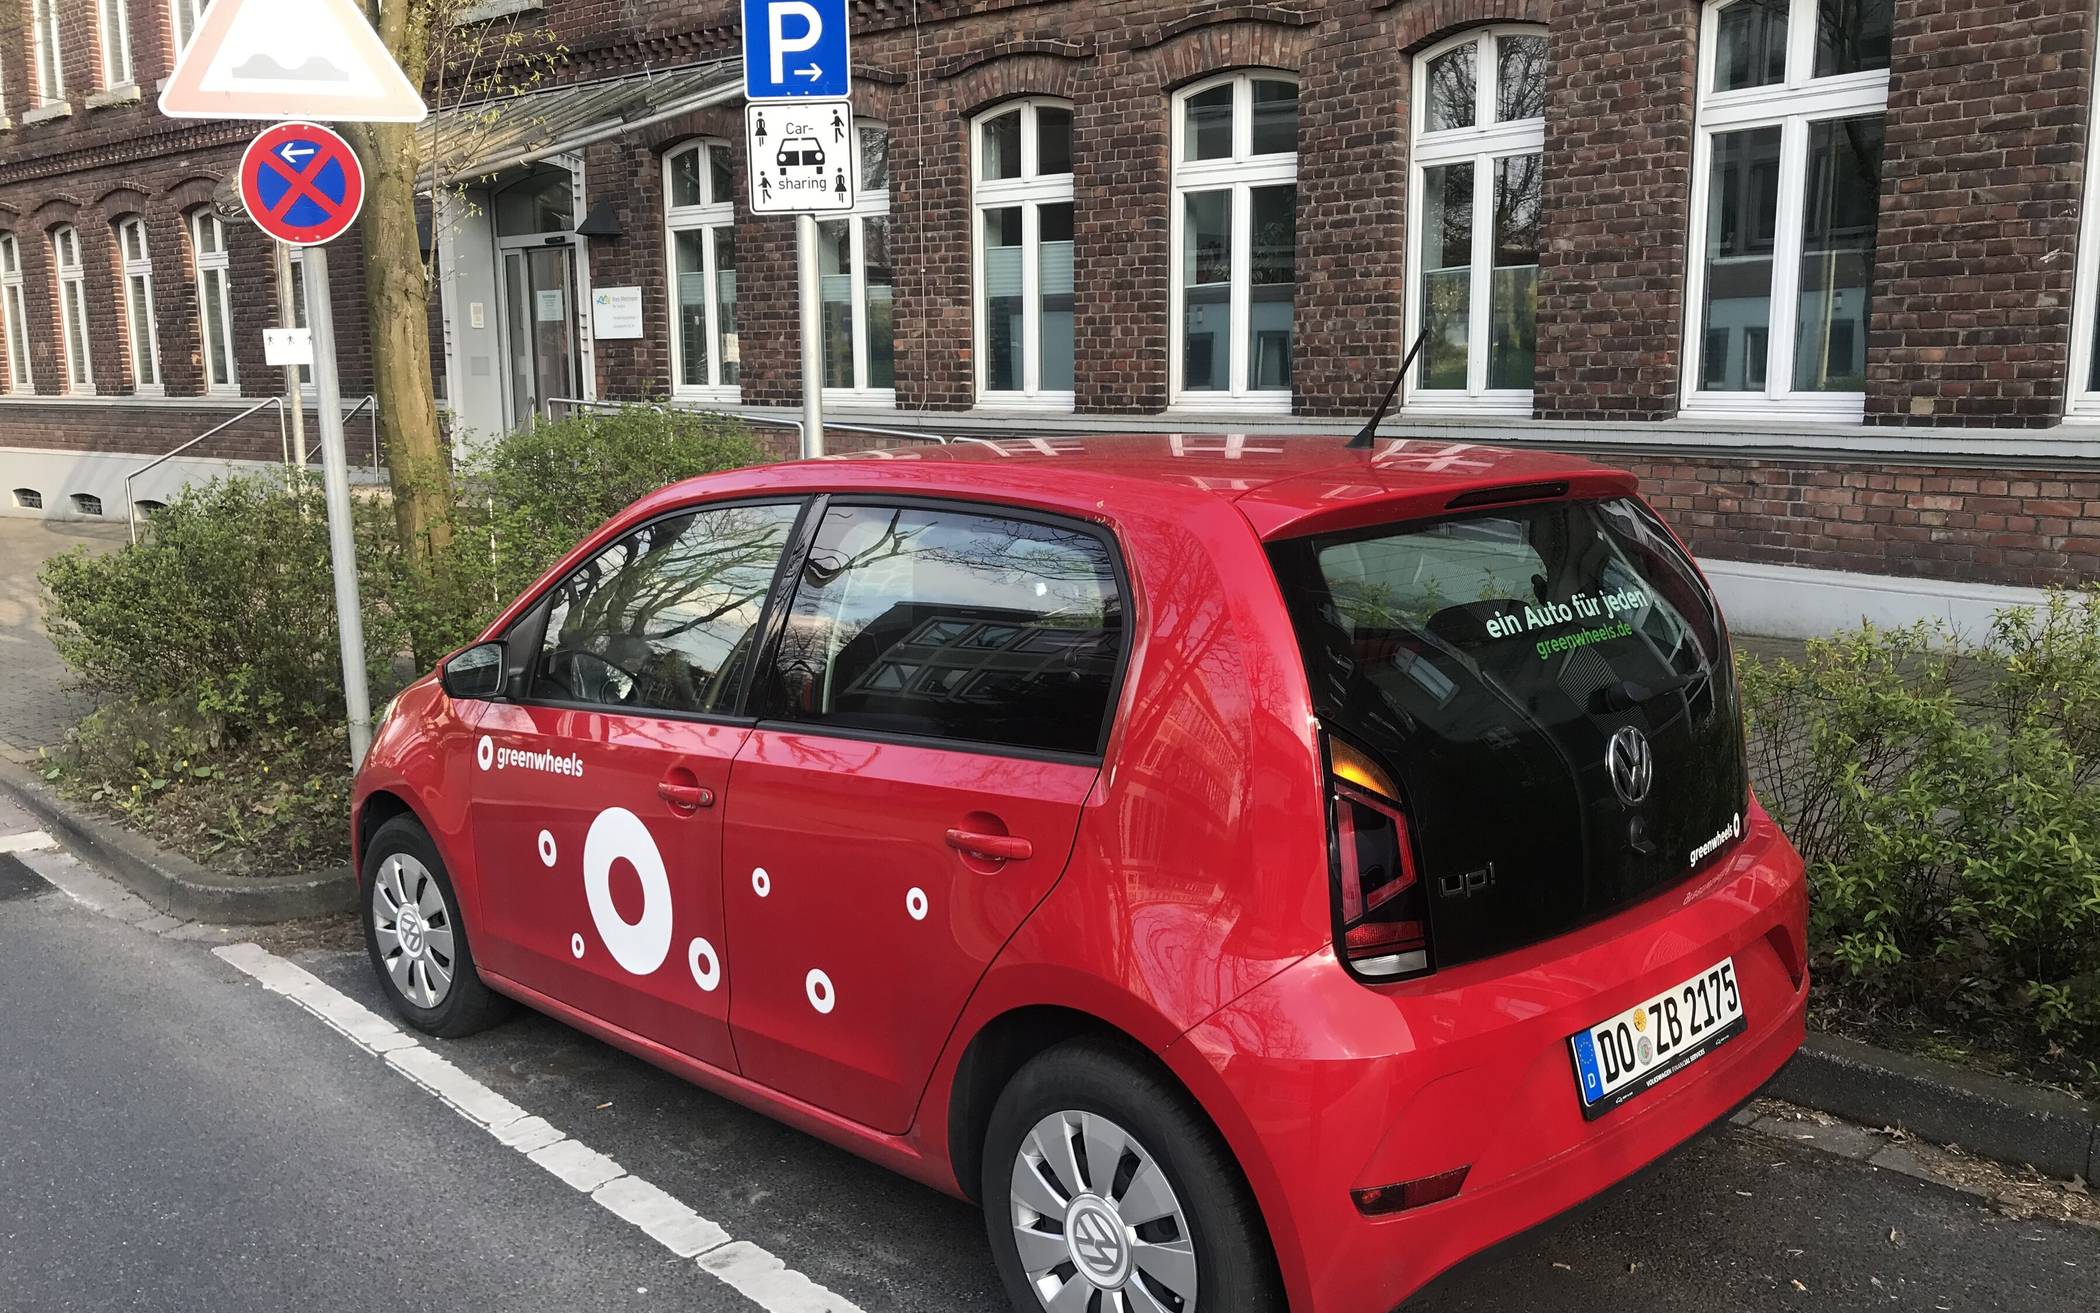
(859, 285)
(135, 266)
(50, 55)
(183, 16)
(114, 27)
(1235, 240)
(1786, 183)
(2082, 400)
(71, 276)
(14, 317)
(1475, 185)
(700, 233)
(208, 257)
(1021, 177)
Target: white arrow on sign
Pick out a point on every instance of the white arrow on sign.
(812, 72)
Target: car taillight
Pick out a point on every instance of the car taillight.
(1383, 909)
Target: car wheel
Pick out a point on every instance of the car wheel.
(1106, 1190)
(415, 937)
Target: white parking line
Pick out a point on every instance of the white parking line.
(33, 841)
(744, 1267)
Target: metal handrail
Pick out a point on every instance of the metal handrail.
(131, 514)
(372, 400)
(749, 417)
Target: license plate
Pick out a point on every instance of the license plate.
(1643, 1046)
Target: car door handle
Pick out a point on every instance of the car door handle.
(991, 847)
(686, 797)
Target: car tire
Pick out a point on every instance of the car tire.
(416, 937)
(1198, 1245)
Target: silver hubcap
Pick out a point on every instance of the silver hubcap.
(414, 929)
(1097, 1225)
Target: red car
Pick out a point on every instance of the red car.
(1261, 872)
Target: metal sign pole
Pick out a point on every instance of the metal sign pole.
(287, 318)
(335, 475)
(812, 313)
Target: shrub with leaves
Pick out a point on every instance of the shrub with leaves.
(1942, 790)
(226, 609)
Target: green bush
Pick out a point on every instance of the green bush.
(226, 609)
(1943, 792)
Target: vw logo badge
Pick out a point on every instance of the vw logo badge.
(1096, 1240)
(1631, 765)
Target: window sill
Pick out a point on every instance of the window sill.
(1056, 403)
(489, 10)
(126, 93)
(58, 109)
(1505, 406)
(6, 124)
(1835, 408)
(150, 391)
(709, 396)
(862, 398)
(1224, 403)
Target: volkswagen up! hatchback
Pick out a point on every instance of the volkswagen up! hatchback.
(1260, 872)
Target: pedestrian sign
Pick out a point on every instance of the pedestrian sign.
(289, 59)
(805, 156)
(302, 184)
(796, 49)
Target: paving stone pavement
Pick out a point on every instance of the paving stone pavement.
(36, 706)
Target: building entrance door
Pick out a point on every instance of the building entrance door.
(539, 287)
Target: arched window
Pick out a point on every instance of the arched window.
(87, 503)
(700, 225)
(1022, 177)
(858, 285)
(136, 268)
(14, 317)
(72, 310)
(1786, 193)
(1235, 237)
(29, 499)
(208, 257)
(1474, 192)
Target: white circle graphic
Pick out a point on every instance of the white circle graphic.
(822, 996)
(576, 944)
(639, 947)
(546, 848)
(916, 904)
(707, 968)
(485, 752)
(761, 883)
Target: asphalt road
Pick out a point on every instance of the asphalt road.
(174, 1137)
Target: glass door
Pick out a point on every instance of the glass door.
(540, 302)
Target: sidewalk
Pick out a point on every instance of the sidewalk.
(36, 707)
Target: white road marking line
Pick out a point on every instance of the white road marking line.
(746, 1268)
(32, 841)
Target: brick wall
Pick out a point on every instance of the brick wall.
(1984, 171)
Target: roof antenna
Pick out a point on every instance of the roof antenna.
(1369, 431)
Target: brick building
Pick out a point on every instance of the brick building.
(1813, 268)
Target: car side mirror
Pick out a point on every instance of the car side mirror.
(474, 675)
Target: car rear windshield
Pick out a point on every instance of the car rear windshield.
(1489, 661)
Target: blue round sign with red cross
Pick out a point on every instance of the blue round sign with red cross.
(302, 184)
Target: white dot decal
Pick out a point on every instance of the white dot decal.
(485, 752)
(546, 848)
(821, 996)
(707, 968)
(640, 947)
(576, 944)
(915, 903)
(761, 883)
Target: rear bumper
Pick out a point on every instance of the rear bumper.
(1324, 1086)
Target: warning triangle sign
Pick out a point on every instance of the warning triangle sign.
(289, 59)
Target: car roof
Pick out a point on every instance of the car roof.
(1286, 485)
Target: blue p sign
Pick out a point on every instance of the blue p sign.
(795, 49)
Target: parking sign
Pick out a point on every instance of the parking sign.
(796, 49)
(805, 156)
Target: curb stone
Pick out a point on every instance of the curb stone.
(171, 883)
(1936, 1101)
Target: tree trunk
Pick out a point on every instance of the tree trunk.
(398, 296)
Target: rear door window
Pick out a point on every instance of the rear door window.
(944, 624)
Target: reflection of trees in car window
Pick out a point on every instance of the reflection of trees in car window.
(664, 618)
(953, 626)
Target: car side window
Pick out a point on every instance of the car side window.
(949, 625)
(665, 618)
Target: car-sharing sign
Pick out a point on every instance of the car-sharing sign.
(805, 156)
(302, 184)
